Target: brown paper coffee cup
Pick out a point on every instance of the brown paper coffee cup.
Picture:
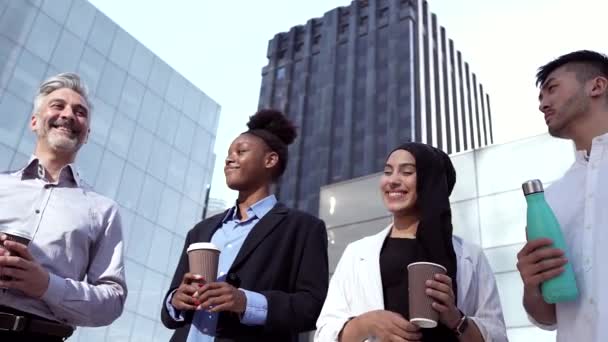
(203, 258)
(421, 310)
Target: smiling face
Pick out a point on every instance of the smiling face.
(398, 183)
(62, 122)
(563, 101)
(249, 163)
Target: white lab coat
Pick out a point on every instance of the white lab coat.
(356, 288)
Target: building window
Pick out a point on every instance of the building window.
(383, 13)
(281, 54)
(316, 28)
(363, 21)
(343, 28)
(408, 3)
(280, 73)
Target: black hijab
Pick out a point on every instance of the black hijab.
(435, 179)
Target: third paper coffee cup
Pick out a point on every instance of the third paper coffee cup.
(203, 258)
(421, 310)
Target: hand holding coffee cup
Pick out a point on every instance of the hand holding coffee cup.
(203, 259)
(384, 325)
(441, 290)
(19, 237)
(183, 298)
(221, 296)
(212, 295)
(19, 270)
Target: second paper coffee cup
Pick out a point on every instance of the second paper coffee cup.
(203, 258)
(421, 310)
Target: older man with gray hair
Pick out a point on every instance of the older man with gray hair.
(65, 268)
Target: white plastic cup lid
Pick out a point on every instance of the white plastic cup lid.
(202, 245)
(426, 263)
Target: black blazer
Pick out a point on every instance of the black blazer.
(284, 257)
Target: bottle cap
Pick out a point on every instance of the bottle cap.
(532, 186)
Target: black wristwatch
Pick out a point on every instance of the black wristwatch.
(462, 326)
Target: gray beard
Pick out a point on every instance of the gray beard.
(59, 141)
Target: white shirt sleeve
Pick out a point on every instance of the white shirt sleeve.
(551, 327)
(336, 309)
(488, 314)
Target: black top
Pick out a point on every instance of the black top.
(395, 255)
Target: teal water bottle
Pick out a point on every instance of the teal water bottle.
(543, 224)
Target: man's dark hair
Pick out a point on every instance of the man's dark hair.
(586, 64)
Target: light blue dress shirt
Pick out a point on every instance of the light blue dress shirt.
(229, 238)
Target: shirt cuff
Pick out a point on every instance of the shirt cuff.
(176, 315)
(548, 327)
(256, 310)
(56, 291)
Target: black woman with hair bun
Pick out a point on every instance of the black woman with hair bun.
(273, 266)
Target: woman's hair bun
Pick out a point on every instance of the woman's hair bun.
(275, 122)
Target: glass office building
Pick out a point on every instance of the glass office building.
(151, 142)
(488, 208)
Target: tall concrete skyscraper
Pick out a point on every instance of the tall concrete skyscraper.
(362, 79)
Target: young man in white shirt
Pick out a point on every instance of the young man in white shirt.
(574, 99)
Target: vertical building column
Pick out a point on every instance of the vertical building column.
(350, 91)
(469, 106)
(413, 38)
(490, 126)
(476, 114)
(447, 76)
(392, 89)
(283, 72)
(298, 112)
(420, 89)
(369, 150)
(484, 118)
(429, 83)
(327, 72)
(456, 90)
(268, 74)
(464, 109)
(437, 114)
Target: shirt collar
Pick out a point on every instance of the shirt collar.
(582, 155)
(34, 169)
(258, 209)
